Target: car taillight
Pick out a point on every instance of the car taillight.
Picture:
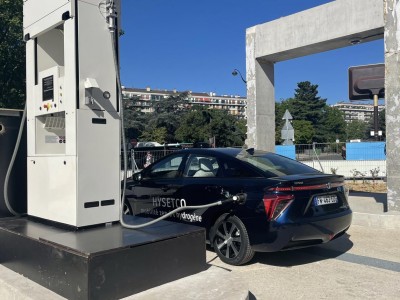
(306, 187)
(276, 204)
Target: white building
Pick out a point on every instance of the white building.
(235, 105)
(357, 111)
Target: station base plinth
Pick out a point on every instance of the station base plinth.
(107, 262)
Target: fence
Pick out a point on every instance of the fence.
(139, 159)
(352, 160)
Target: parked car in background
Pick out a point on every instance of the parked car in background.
(147, 144)
(288, 205)
(201, 145)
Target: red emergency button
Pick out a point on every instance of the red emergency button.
(47, 106)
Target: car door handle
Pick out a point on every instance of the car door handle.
(169, 187)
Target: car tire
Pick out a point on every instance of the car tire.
(231, 241)
(126, 209)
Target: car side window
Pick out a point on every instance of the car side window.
(166, 168)
(234, 169)
(202, 166)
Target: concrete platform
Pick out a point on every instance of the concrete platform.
(371, 210)
(102, 262)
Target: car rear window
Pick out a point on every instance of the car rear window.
(275, 165)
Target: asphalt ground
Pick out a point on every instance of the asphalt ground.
(363, 264)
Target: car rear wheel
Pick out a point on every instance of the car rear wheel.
(231, 241)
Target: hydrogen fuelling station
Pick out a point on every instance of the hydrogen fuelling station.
(73, 120)
(74, 239)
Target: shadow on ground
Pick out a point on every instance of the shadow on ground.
(380, 198)
(304, 256)
(298, 257)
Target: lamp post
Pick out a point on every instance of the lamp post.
(235, 72)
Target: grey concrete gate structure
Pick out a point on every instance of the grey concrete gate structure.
(333, 25)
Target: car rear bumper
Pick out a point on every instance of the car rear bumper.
(283, 236)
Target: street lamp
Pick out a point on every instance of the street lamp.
(235, 72)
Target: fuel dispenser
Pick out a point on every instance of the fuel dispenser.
(73, 125)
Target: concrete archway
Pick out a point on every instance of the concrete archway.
(309, 32)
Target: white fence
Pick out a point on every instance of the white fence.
(350, 168)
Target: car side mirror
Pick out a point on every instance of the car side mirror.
(137, 176)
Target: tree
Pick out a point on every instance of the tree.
(168, 114)
(308, 106)
(334, 125)
(303, 131)
(154, 134)
(175, 103)
(195, 126)
(356, 129)
(200, 124)
(12, 55)
(227, 130)
(174, 120)
(134, 120)
(326, 123)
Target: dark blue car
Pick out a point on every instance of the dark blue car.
(287, 204)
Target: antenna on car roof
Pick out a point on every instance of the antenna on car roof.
(246, 151)
(250, 151)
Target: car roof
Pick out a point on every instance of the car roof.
(227, 151)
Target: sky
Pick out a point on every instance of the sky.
(195, 45)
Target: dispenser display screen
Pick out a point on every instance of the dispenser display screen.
(48, 88)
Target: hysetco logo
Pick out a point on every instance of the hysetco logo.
(168, 202)
(173, 203)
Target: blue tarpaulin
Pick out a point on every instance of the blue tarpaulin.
(365, 151)
(287, 150)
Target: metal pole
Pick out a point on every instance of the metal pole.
(316, 155)
(376, 117)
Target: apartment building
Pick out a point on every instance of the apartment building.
(235, 105)
(357, 111)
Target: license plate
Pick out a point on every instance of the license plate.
(324, 200)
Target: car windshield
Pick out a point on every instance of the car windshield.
(276, 165)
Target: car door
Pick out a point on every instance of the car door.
(203, 183)
(229, 177)
(158, 189)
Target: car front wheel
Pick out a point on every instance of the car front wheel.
(231, 241)
(126, 209)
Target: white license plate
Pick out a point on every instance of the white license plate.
(324, 200)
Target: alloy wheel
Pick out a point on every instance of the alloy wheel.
(228, 239)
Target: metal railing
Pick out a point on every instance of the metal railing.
(323, 151)
(140, 159)
(352, 160)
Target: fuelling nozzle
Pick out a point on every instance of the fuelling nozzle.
(240, 198)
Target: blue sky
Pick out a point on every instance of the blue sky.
(195, 45)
